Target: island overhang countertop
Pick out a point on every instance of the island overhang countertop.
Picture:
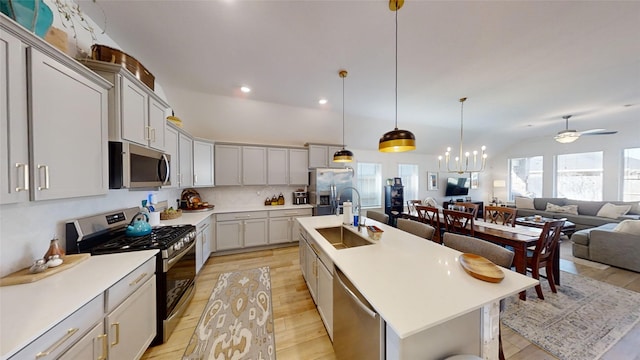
(413, 283)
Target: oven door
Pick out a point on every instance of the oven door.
(180, 273)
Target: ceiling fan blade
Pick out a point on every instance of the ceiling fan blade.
(598, 132)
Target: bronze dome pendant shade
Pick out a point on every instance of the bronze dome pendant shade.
(344, 155)
(397, 140)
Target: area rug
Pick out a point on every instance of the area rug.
(581, 321)
(237, 322)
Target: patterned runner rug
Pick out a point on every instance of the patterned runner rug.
(237, 322)
(580, 322)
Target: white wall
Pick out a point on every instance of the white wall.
(628, 136)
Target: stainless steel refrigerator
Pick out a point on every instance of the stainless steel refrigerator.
(325, 186)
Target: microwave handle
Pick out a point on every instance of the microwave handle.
(166, 163)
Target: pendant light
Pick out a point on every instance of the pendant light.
(397, 140)
(343, 155)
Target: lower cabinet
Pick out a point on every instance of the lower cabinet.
(240, 230)
(317, 270)
(203, 243)
(92, 346)
(283, 227)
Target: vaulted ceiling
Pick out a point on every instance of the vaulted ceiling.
(522, 64)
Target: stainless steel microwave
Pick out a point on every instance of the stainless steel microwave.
(132, 166)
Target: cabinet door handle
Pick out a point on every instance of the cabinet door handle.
(117, 325)
(153, 134)
(103, 356)
(46, 177)
(195, 178)
(147, 135)
(25, 176)
(57, 344)
(138, 279)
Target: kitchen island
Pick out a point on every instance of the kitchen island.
(432, 308)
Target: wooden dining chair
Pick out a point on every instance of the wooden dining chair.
(411, 205)
(500, 215)
(416, 228)
(378, 216)
(459, 222)
(542, 255)
(494, 253)
(431, 215)
(469, 207)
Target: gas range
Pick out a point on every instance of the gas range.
(169, 239)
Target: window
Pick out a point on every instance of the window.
(370, 184)
(631, 179)
(409, 175)
(525, 177)
(579, 176)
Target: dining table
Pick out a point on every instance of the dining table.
(518, 237)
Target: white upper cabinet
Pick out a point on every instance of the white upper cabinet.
(62, 127)
(202, 163)
(136, 113)
(171, 148)
(321, 156)
(228, 164)
(298, 167)
(278, 166)
(185, 172)
(254, 165)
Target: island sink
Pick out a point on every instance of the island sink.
(341, 238)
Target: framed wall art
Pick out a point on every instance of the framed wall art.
(432, 179)
(475, 180)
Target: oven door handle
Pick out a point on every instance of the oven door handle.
(169, 263)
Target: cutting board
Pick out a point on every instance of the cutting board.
(481, 268)
(24, 276)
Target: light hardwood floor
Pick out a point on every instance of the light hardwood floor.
(300, 334)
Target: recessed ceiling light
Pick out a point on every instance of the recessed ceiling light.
(245, 89)
(322, 101)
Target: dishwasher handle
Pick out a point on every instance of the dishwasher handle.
(353, 296)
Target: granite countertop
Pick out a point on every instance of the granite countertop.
(412, 283)
(29, 310)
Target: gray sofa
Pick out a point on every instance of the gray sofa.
(587, 211)
(606, 246)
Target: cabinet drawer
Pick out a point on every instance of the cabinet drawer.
(290, 212)
(130, 283)
(242, 216)
(66, 333)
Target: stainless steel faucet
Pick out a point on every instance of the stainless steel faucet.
(359, 206)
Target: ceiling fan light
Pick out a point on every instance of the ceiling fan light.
(397, 141)
(567, 137)
(343, 156)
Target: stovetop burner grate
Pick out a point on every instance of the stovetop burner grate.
(160, 238)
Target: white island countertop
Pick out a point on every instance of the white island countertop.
(413, 283)
(28, 310)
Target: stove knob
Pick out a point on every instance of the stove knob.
(177, 246)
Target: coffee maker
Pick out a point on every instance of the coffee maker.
(300, 198)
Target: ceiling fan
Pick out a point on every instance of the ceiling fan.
(568, 136)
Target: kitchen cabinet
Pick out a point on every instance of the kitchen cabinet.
(228, 164)
(298, 167)
(254, 165)
(171, 148)
(136, 113)
(185, 160)
(92, 346)
(283, 227)
(241, 230)
(321, 156)
(318, 274)
(203, 243)
(202, 163)
(54, 106)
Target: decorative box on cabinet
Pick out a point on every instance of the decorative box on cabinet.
(202, 163)
(39, 163)
(136, 113)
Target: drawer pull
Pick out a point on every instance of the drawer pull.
(25, 176)
(57, 344)
(243, 217)
(138, 279)
(46, 177)
(103, 356)
(117, 325)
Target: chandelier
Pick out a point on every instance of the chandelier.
(397, 140)
(462, 164)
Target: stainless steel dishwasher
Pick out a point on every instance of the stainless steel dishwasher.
(358, 331)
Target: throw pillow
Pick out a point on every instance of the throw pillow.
(567, 209)
(611, 211)
(629, 227)
(524, 203)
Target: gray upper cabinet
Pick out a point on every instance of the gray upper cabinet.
(254, 165)
(298, 167)
(66, 118)
(321, 156)
(136, 113)
(202, 163)
(185, 172)
(172, 148)
(277, 166)
(228, 165)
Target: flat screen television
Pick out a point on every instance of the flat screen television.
(457, 186)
